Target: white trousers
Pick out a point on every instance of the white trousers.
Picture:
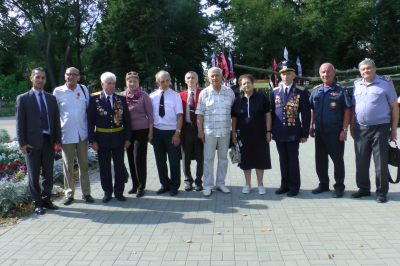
(210, 144)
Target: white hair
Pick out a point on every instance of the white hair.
(366, 61)
(192, 72)
(162, 72)
(73, 68)
(330, 65)
(215, 68)
(106, 76)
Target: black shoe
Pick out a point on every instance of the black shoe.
(188, 187)
(163, 190)
(50, 205)
(68, 201)
(198, 188)
(132, 191)
(360, 194)
(381, 199)
(173, 192)
(39, 210)
(338, 194)
(292, 193)
(106, 199)
(281, 191)
(320, 190)
(139, 193)
(88, 198)
(120, 197)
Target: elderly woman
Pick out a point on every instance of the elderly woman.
(251, 129)
(141, 112)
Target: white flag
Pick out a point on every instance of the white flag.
(286, 54)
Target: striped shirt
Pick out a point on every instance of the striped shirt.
(216, 110)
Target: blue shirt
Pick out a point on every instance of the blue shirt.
(40, 108)
(372, 101)
(329, 107)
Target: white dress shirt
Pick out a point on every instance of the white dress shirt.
(216, 109)
(111, 98)
(172, 107)
(188, 104)
(72, 113)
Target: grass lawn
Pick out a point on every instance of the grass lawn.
(7, 109)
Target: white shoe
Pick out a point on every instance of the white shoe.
(262, 190)
(223, 189)
(207, 192)
(246, 189)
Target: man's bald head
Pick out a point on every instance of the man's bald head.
(327, 73)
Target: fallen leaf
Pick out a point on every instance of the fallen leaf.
(329, 256)
(155, 212)
(219, 233)
(165, 229)
(183, 240)
(359, 245)
(262, 230)
(189, 241)
(269, 229)
(228, 231)
(133, 252)
(244, 214)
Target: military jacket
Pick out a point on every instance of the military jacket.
(329, 107)
(100, 116)
(286, 112)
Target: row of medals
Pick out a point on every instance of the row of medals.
(290, 108)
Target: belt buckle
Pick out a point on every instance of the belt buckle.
(110, 130)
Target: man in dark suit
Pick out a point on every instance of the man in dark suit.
(288, 130)
(38, 133)
(109, 127)
(191, 146)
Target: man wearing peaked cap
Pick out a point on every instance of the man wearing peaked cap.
(291, 102)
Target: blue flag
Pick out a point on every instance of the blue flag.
(213, 60)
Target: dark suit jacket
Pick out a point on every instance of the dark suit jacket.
(29, 120)
(100, 115)
(183, 95)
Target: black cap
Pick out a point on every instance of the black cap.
(287, 65)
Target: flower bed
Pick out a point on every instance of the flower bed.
(14, 187)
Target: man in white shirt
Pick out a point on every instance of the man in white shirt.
(214, 129)
(72, 100)
(168, 117)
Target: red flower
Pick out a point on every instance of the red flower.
(9, 166)
(2, 167)
(6, 172)
(17, 161)
(79, 94)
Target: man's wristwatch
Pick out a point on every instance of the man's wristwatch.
(345, 130)
(178, 130)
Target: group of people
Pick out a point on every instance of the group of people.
(195, 123)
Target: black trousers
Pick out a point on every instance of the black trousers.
(192, 148)
(104, 155)
(367, 140)
(289, 163)
(42, 159)
(162, 145)
(137, 158)
(329, 144)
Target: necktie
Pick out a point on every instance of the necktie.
(286, 91)
(191, 107)
(161, 110)
(43, 112)
(109, 103)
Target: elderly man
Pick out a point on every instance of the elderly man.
(375, 116)
(214, 129)
(168, 117)
(38, 133)
(73, 100)
(191, 146)
(288, 130)
(109, 126)
(330, 112)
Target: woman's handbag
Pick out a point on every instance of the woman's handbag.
(235, 154)
(394, 160)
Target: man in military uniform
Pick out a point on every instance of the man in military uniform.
(288, 131)
(109, 127)
(374, 120)
(330, 113)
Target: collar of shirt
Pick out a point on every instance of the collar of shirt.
(375, 80)
(243, 97)
(284, 86)
(37, 92)
(190, 92)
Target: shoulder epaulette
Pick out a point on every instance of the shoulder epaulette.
(317, 86)
(95, 93)
(119, 94)
(384, 78)
(341, 86)
(299, 87)
(358, 80)
(276, 88)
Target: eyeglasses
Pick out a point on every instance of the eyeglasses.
(132, 73)
(71, 74)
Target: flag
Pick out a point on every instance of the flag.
(216, 62)
(230, 66)
(300, 71)
(213, 60)
(286, 54)
(274, 68)
(225, 67)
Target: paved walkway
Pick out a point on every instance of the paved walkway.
(276, 230)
